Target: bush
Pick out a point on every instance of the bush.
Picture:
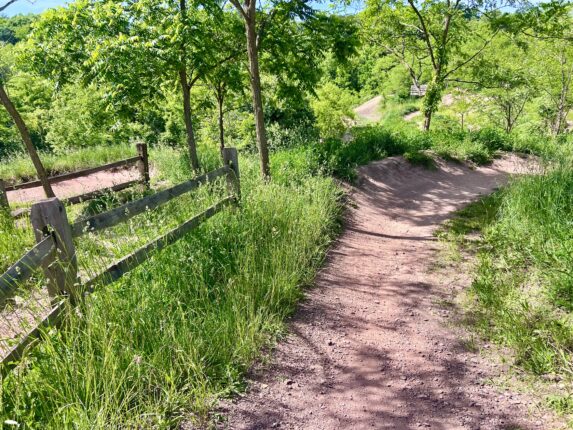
(333, 109)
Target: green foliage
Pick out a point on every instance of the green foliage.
(420, 158)
(16, 28)
(333, 109)
(80, 119)
(19, 168)
(561, 404)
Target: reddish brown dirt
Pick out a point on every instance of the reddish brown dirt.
(370, 347)
(77, 186)
(370, 111)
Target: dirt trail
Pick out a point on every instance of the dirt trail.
(77, 186)
(369, 347)
(370, 111)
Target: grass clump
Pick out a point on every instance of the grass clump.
(179, 331)
(19, 168)
(522, 295)
(420, 158)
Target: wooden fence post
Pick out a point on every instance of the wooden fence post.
(143, 163)
(61, 267)
(3, 195)
(231, 159)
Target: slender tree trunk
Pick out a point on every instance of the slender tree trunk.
(509, 122)
(42, 176)
(220, 101)
(186, 90)
(191, 145)
(427, 120)
(252, 51)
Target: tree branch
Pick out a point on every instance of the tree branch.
(426, 32)
(472, 57)
(239, 7)
(4, 6)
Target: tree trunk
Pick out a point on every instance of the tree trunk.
(42, 176)
(186, 90)
(427, 120)
(252, 51)
(220, 101)
(191, 145)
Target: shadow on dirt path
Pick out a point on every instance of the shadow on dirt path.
(369, 347)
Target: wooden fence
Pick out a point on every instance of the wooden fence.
(55, 251)
(141, 161)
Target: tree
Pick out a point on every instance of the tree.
(291, 39)
(27, 139)
(248, 11)
(547, 31)
(223, 81)
(433, 32)
(136, 48)
(333, 110)
(505, 83)
(5, 72)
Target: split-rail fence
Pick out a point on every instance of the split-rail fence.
(55, 253)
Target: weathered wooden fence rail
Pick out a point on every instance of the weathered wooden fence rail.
(141, 161)
(55, 251)
(23, 269)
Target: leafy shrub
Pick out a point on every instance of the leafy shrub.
(333, 108)
(280, 137)
(420, 158)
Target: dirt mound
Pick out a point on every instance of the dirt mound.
(370, 346)
(410, 116)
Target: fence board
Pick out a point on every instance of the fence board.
(78, 174)
(118, 269)
(23, 268)
(131, 209)
(97, 193)
(10, 360)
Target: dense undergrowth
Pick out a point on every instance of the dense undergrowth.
(374, 142)
(522, 294)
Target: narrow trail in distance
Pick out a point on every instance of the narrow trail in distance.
(372, 346)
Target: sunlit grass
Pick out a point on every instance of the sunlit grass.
(179, 331)
(522, 294)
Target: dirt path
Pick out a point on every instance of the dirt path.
(370, 346)
(370, 111)
(77, 186)
(410, 116)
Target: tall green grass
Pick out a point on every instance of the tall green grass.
(524, 285)
(178, 332)
(522, 295)
(374, 142)
(19, 168)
